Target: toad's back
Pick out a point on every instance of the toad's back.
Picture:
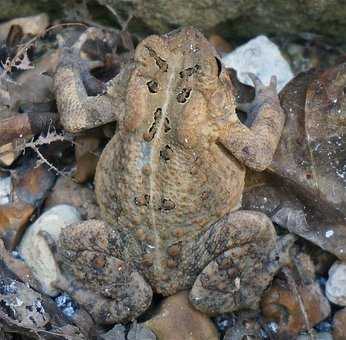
(163, 177)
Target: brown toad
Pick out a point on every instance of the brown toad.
(169, 183)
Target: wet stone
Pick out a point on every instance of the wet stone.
(336, 284)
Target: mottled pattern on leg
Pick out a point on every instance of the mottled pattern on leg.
(234, 277)
(110, 289)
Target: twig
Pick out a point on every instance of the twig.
(293, 286)
(51, 137)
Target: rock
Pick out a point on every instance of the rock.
(87, 155)
(316, 336)
(34, 249)
(282, 305)
(32, 184)
(8, 154)
(246, 327)
(261, 57)
(136, 332)
(5, 189)
(177, 319)
(336, 284)
(33, 25)
(118, 332)
(243, 18)
(222, 46)
(140, 331)
(22, 304)
(13, 220)
(81, 197)
(339, 325)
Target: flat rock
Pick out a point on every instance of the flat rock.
(177, 319)
(336, 284)
(34, 249)
(261, 57)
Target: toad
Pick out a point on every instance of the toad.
(169, 183)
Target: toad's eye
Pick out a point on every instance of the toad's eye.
(219, 66)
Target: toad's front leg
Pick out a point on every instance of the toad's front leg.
(79, 111)
(255, 146)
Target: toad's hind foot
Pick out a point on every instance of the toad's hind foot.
(234, 280)
(110, 289)
(239, 271)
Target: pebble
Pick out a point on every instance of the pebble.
(34, 249)
(5, 189)
(22, 304)
(281, 305)
(316, 336)
(177, 319)
(247, 326)
(336, 284)
(261, 57)
(339, 325)
(8, 154)
(79, 196)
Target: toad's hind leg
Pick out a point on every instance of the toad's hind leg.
(110, 289)
(239, 246)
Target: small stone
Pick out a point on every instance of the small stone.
(222, 46)
(336, 284)
(5, 189)
(339, 325)
(87, 155)
(32, 184)
(118, 332)
(13, 220)
(8, 154)
(34, 249)
(246, 327)
(316, 336)
(177, 319)
(281, 305)
(140, 331)
(81, 197)
(22, 304)
(261, 57)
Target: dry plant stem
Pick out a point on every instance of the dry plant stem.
(25, 125)
(51, 137)
(293, 286)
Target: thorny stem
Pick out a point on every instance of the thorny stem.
(43, 140)
(293, 286)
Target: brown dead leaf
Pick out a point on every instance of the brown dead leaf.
(312, 149)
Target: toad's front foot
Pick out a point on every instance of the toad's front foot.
(263, 95)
